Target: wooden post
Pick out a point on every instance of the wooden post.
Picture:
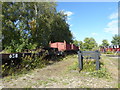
(80, 60)
(97, 61)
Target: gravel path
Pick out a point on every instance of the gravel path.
(57, 75)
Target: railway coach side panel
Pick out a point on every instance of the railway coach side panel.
(68, 47)
(61, 46)
(75, 47)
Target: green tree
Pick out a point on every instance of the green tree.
(76, 43)
(89, 43)
(105, 42)
(27, 25)
(15, 29)
(60, 29)
(79, 44)
(116, 40)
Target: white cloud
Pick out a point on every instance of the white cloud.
(71, 25)
(113, 16)
(94, 34)
(112, 27)
(69, 13)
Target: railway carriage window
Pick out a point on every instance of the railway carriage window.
(117, 46)
(113, 47)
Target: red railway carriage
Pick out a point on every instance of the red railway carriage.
(63, 46)
(112, 48)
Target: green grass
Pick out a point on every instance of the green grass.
(74, 66)
(89, 67)
(118, 85)
(52, 80)
(65, 83)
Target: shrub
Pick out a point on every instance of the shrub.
(27, 63)
(102, 73)
(109, 52)
(89, 66)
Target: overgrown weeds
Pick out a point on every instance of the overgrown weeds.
(89, 68)
(27, 63)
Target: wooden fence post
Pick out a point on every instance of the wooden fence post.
(80, 60)
(97, 60)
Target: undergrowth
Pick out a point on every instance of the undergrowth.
(25, 64)
(89, 67)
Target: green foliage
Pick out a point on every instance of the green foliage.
(89, 63)
(118, 85)
(89, 43)
(89, 67)
(27, 25)
(27, 63)
(105, 42)
(79, 44)
(102, 73)
(109, 52)
(95, 48)
(31, 63)
(116, 40)
(76, 43)
(74, 66)
(60, 29)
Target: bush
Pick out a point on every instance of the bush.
(102, 73)
(30, 62)
(27, 63)
(109, 52)
(89, 67)
(95, 48)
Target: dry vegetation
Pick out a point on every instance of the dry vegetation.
(64, 74)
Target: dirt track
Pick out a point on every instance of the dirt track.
(57, 75)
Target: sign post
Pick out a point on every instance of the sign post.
(80, 60)
(90, 54)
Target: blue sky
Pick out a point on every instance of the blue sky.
(91, 19)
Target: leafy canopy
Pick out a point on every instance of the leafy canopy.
(27, 25)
